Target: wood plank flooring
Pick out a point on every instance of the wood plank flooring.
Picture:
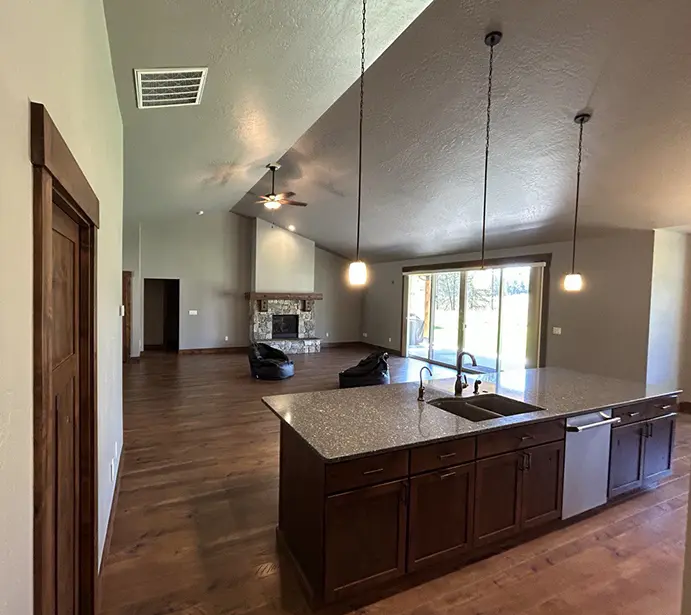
(194, 526)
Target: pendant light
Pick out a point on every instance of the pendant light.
(483, 279)
(573, 282)
(357, 272)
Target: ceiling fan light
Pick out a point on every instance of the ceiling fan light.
(573, 283)
(272, 205)
(357, 273)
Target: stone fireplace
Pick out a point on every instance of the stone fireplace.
(285, 321)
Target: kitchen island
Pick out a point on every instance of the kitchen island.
(375, 484)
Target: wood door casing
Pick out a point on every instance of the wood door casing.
(65, 379)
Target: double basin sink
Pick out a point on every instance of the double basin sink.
(482, 407)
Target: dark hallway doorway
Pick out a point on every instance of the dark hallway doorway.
(162, 315)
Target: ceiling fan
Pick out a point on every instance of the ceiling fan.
(273, 200)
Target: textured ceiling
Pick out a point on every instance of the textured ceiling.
(424, 133)
(274, 67)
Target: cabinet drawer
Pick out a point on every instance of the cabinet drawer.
(366, 471)
(441, 455)
(645, 410)
(517, 438)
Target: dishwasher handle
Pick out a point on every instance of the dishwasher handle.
(579, 428)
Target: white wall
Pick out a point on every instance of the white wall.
(70, 72)
(210, 255)
(666, 338)
(283, 261)
(604, 328)
(339, 313)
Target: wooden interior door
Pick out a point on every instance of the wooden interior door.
(65, 386)
(127, 319)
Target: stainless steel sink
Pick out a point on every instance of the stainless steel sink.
(460, 407)
(500, 405)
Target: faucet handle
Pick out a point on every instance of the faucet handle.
(476, 386)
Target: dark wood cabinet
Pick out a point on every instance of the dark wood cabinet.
(498, 484)
(626, 459)
(658, 446)
(365, 538)
(543, 483)
(440, 515)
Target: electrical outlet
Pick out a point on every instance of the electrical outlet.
(112, 470)
(121, 311)
(364, 335)
(389, 339)
(193, 312)
(226, 338)
(556, 330)
(327, 334)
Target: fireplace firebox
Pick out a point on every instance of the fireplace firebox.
(284, 326)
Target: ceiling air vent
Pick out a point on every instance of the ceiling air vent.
(169, 87)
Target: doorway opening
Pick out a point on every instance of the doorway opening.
(496, 314)
(161, 315)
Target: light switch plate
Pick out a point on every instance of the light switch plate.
(193, 312)
(556, 330)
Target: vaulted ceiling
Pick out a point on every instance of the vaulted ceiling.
(273, 75)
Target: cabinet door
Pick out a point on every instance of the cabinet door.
(543, 484)
(659, 444)
(440, 515)
(365, 537)
(498, 483)
(626, 459)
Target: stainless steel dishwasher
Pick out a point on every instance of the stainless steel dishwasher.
(586, 461)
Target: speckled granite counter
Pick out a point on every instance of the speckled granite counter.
(350, 423)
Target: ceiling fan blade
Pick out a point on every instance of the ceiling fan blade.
(285, 195)
(294, 203)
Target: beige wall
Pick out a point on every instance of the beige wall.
(283, 261)
(210, 255)
(70, 72)
(604, 328)
(339, 313)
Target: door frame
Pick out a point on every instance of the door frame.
(59, 181)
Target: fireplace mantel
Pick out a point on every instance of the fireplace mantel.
(273, 296)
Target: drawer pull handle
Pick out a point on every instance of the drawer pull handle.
(375, 471)
(446, 456)
(447, 475)
(524, 438)
(632, 414)
(665, 407)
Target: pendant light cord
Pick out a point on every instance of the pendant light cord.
(362, 115)
(489, 118)
(578, 194)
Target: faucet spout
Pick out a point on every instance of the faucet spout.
(421, 390)
(461, 378)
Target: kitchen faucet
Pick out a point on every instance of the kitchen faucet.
(421, 390)
(461, 378)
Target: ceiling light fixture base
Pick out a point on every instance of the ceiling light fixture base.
(273, 166)
(582, 118)
(493, 38)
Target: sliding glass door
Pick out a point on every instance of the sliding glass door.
(494, 314)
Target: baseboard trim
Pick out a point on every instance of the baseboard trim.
(111, 516)
(391, 351)
(222, 350)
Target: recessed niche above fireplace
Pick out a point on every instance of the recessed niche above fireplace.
(284, 326)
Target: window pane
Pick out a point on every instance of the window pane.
(446, 308)
(515, 310)
(419, 296)
(481, 316)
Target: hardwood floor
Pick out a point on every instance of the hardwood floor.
(195, 520)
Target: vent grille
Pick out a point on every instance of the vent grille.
(169, 87)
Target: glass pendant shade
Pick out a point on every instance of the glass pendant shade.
(573, 282)
(272, 205)
(482, 279)
(357, 273)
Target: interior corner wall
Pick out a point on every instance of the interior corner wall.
(604, 327)
(210, 255)
(283, 261)
(70, 72)
(668, 309)
(338, 315)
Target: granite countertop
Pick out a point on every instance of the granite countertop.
(348, 423)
